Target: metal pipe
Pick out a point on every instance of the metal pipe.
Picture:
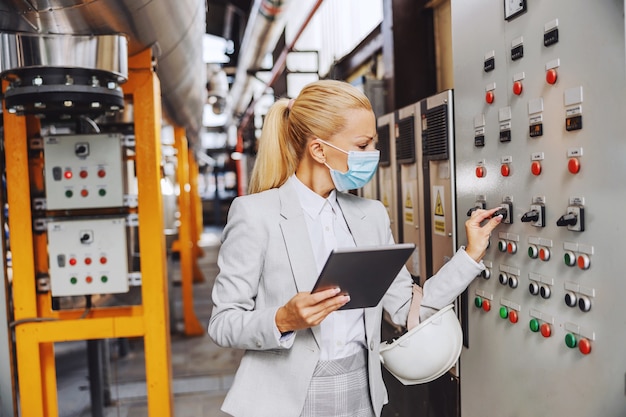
(278, 67)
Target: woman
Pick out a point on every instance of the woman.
(304, 358)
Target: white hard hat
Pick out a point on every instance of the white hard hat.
(425, 352)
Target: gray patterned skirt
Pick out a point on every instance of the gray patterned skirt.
(340, 388)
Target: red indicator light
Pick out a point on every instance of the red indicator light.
(551, 76)
(102, 173)
(103, 259)
(68, 174)
(535, 167)
(72, 261)
(505, 170)
(88, 279)
(87, 261)
(83, 174)
(84, 192)
(573, 165)
(490, 97)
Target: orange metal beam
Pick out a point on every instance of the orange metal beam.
(143, 85)
(192, 325)
(195, 212)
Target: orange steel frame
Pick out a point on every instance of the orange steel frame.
(34, 339)
(187, 234)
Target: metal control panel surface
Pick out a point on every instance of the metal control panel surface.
(539, 108)
(83, 171)
(88, 256)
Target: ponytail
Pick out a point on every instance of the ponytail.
(276, 159)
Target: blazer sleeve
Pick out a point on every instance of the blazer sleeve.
(237, 320)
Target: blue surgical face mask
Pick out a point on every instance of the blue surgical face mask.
(362, 166)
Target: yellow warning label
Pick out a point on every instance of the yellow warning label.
(438, 205)
(408, 203)
(440, 227)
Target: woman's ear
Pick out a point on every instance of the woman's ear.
(317, 151)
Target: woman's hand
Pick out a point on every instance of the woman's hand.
(306, 310)
(477, 235)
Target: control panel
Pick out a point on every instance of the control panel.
(87, 256)
(539, 104)
(83, 171)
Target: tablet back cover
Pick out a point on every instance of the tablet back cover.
(365, 273)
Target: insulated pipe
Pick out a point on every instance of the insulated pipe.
(278, 68)
(173, 29)
(265, 24)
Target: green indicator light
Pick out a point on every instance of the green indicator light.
(102, 192)
(570, 340)
(73, 280)
(69, 193)
(478, 302)
(504, 312)
(534, 325)
(104, 278)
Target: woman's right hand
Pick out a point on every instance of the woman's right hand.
(306, 310)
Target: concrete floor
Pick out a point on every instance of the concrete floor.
(202, 371)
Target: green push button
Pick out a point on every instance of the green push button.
(478, 302)
(102, 192)
(534, 325)
(73, 280)
(69, 193)
(504, 312)
(570, 340)
(104, 278)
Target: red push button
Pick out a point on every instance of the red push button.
(511, 247)
(88, 279)
(544, 254)
(83, 174)
(513, 316)
(87, 261)
(573, 165)
(551, 76)
(102, 173)
(535, 167)
(84, 192)
(517, 88)
(546, 330)
(481, 171)
(490, 97)
(584, 345)
(486, 305)
(103, 260)
(505, 170)
(583, 261)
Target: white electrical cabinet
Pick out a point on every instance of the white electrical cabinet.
(88, 256)
(83, 171)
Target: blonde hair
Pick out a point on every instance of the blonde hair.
(318, 111)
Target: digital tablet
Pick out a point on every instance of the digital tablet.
(364, 273)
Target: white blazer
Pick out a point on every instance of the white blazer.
(265, 259)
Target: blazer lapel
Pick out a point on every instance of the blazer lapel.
(298, 244)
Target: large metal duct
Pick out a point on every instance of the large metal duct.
(265, 24)
(174, 29)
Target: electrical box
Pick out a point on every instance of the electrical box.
(83, 171)
(387, 174)
(539, 109)
(88, 256)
